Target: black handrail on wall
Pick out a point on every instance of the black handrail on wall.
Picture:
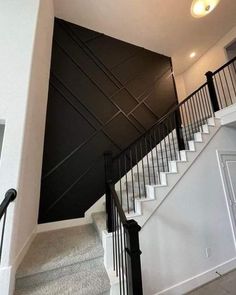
(9, 197)
(143, 161)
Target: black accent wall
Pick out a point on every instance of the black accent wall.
(103, 94)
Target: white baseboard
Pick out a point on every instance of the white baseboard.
(199, 280)
(24, 249)
(87, 219)
(108, 263)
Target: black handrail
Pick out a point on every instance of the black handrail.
(10, 196)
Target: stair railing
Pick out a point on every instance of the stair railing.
(142, 163)
(9, 197)
(125, 239)
(222, 85)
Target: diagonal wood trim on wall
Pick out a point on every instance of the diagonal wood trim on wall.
(103, 94)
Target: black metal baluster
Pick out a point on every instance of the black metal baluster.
(119, 252)
(168, 137)
(209, 106)
(192, 123)
(126, 180)
(113, 235)
(115, 231)
(190, 116)
(183, 126)
(126, 264)
(198, 112)
(232, 81)
(202, 121)
(161, 149)
(195, 114)
(151, 148)
(142, 156)
(120, 177)
(137, 161)
(218, 95)
(226, 80)
(132, 176)
(147, 158)
(204, 105)
(122, 258)
(222, 89)
(164, 136)
(157, 157)
(172, 130)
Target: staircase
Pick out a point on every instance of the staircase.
(143, 175)
(138, 180)
(66, 261)
(158, 179)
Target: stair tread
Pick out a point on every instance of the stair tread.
(89, 280)
(59, 248)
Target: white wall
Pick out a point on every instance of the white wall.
(213, 59)
(193, 217)
(25, 49)
(2, 126)
(180, 87)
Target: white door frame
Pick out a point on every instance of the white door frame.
(232, 216)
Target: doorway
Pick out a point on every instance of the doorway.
(231, 50)
(227, 163)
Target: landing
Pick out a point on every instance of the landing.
(67, 261)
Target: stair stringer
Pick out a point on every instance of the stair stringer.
(156, 194)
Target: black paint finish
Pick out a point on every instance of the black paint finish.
(103, 94)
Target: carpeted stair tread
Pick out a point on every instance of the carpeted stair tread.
(90, 279)
(60, 248)
(99, 220)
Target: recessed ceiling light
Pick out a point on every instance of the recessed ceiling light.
(192, 55)
(201, 8)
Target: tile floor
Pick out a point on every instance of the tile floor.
(224, 285)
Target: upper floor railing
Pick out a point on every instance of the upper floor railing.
(223, 83)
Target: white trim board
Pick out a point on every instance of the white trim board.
(227, 115)
(99, 206)
(7, 274)
(199, 280)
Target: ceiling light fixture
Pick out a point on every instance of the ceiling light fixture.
(202, 8)
(192, 55)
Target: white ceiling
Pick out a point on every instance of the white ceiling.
(164, 26)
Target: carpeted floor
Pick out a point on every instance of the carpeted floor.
(65, 262)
